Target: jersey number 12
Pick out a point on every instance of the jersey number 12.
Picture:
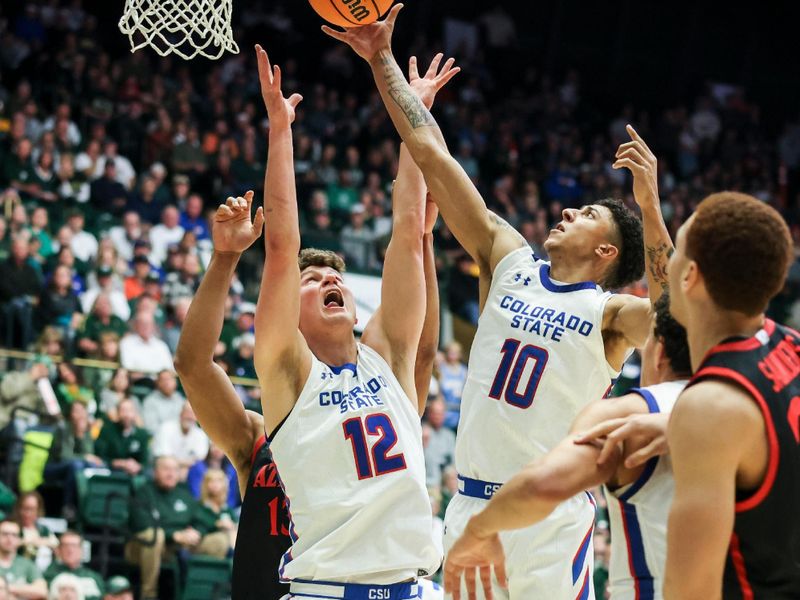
(379, 425)
(507, 379)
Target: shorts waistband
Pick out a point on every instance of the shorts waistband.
(356, 591)
(476, 488)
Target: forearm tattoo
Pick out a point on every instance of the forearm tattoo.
(657, 260)
(400, 92)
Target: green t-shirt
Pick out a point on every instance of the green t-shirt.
(93, 327)
(111, 444)
(177, 509)
(22, 570)
(92, 584)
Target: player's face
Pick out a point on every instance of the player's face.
(676, 272)
(325, 300)
(581, 230)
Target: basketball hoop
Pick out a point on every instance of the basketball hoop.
(186, 27)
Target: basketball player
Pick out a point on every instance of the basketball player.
(734, 526)
(343, 417)
(638, 494)
(549, 338)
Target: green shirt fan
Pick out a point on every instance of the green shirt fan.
(187, 28)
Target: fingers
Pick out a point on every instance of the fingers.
(335, 34)
(446, 76)
(434, 66)
(500, 572)
(635, 136)
(276, 77)
(258, 222)
(264, 68)
(413, 72)
(486, 581)
(452, 580)
(642, 455)
(634, 153)
(600, 430)
(469, 579)
(392, 16)
(224, 213)
(635, 167)
(248, 197)
(294, 100)
(612, 443)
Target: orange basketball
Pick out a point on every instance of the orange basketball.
(351, 13)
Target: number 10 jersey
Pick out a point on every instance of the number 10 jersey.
(537, 359)
(349, 456)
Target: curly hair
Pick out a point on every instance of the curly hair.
(743, 249)
(629, 266)
(673, 336)
(313, 257)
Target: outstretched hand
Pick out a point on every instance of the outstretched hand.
(471, 552)
(233, 231)
(426, 87)
(279, 109)
(640, 160)
(368, 40)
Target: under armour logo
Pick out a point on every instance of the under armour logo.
(325, 375)
(525, 281)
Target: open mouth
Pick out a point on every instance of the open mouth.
(559, 227)
(333, 299)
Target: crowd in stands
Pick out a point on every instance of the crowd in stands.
(110, 165)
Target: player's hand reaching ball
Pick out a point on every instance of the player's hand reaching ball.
(232, 230)
(368, 40)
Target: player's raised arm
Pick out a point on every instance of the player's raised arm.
(632, 315)
(216, 404)
(462, 207)
(712, 424)
(429, 339)
(279, 346)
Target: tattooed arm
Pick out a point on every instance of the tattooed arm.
(640, 160)
(460, 203)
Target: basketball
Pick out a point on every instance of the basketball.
(351, 13)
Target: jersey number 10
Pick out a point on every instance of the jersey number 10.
(512, 366)
(377, 424)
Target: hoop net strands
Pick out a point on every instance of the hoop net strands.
(186, 27)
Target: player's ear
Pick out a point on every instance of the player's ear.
(607, 251)
(691, 277)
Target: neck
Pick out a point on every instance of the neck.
(569, 269)
(332, 349)
(709, 325)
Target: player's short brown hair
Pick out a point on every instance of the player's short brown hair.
(743, 249)
(313, 257)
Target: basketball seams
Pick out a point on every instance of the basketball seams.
(377, 10)
(336, 8)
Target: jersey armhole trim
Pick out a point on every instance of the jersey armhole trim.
(758, 496)
(258, 445)
(650, 465)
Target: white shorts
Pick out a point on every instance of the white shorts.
(553, 559)
(422, 588)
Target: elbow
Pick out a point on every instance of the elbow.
(427, 152)
(545, 488)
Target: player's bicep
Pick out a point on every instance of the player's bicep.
(630, 317)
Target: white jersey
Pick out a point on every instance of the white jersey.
(349, 456)
(638, 514)
(537, 359)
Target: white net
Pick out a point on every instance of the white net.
(187, 28)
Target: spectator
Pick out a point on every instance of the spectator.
(108, 194)
(181, 438)
(20, 286)
(192, 218)
(452, 378)
(134, 283)
(66, 587)
(164, 403)
(183, 283)
(24, 579)
(84, 244)
(441, 445)
(4, 591)
(123, 445)
(172, 331)
(59, 305)
(357, 239)
(126, 235)
(141, 351)
(72, 451)
(118, 389)
(36, 537)
(102, 319)
(70, 560)
(166, 233)
(124, 171)
(118, 588)
(70, 389)
(146, 202)
(108, 352)
(73, 187)
(182, 525)
(215, 459)
(214, 496)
